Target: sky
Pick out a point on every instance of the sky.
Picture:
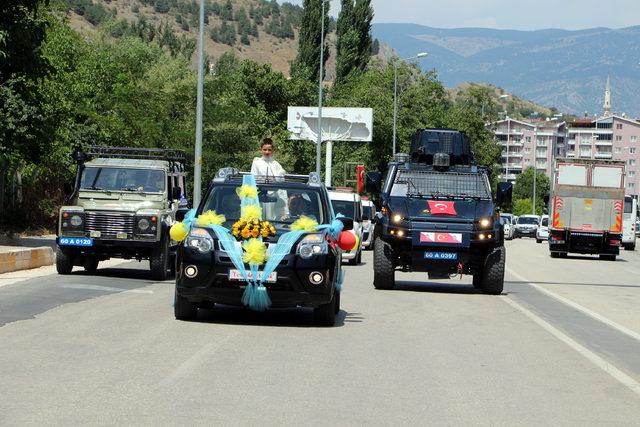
(506, 14)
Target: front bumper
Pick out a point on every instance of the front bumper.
(125, 248)
(292, 288)
(525, 232)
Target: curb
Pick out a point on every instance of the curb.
(16, 259)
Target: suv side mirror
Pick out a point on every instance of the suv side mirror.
(504, 193)
(373, 182)
(180, 213)
(176, 192)
(346, 222)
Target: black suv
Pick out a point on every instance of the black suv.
(308, 276)
(438, 215)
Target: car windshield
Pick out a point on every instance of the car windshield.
(444, 185)
(505, 220)
(123, 179)
(280, 204)
(344, 207)
(628, 205)
(369, 212)
(545, 222)
(528, 220)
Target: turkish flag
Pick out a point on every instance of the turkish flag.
(442, 208)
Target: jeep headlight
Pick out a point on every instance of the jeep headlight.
(199, 239)
(76, 220)
(312, 244)
(72, 220)
(146, 224)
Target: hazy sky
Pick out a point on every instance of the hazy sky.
(506, 14)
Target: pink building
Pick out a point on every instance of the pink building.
(525, 144)
(608, 137)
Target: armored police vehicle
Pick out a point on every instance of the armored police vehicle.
(308, 276)
(438, 215)
(122, 204)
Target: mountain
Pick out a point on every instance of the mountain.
(557, 68)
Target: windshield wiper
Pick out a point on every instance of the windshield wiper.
(132, 189)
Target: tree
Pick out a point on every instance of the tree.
(354, 43)
(523, 188)
(307, 62)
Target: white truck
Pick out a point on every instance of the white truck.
(587, 207)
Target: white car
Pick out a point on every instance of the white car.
(349, 204)
(542, 233)
(369, 212)
(527, 225)
(507, 225)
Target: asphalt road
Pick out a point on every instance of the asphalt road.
(560, 346)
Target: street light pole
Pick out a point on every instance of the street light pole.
(506, 166)
(395, 93)
(197, 161)
(319, 141)
(535, 169)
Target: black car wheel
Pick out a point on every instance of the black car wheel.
(64, 261)
(325, 314)
(493, 274)
(159, 262)
(183, 309)
(383, 265)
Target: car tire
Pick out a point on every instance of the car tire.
(383, 265)
(538, 240)
(325, 314)
(555, 254)
(493, 274)
(337, 297)
(183, 309)
(607, 257)
(90, 264)
(64, 261)
(159, 262)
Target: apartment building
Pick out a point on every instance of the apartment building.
(525, 144)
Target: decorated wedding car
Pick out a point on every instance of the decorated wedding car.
(262, 242)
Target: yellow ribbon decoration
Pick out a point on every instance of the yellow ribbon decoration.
(247, 191)
(250, 212)
(210, 218)
(255, 252)
(304, 223)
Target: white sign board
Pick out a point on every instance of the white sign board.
(338, 124)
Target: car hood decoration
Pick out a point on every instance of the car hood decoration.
(253, 250)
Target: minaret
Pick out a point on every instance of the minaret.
(607, 98)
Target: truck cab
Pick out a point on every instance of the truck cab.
(629, 223)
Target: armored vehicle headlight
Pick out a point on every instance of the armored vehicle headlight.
(76, 220)
(485, 222)
(397, 218)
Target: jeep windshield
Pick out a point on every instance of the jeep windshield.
(281, 204)
(442, 195)
(123, 179)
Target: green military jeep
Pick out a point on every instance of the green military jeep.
(122, 205)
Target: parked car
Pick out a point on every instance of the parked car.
(368, 213)
(526, 226)
(542, 233)
(507, 225)
(349, 204)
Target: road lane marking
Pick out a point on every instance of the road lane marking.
(633, 271)
(598, 361)
(106, 288)
(633, 334)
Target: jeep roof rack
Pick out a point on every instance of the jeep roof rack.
(176, 158)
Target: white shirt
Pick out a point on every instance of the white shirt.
(266, 166)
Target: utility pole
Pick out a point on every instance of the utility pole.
(197, 161)
(319, 142)
(535, 170)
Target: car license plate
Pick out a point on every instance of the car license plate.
(237, 276)
(75, 241)
(447, 256)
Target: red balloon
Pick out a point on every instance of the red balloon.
(346, 240)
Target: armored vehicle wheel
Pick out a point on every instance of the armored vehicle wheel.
(383, 265)
(64, 261)
(493, 274)
(608, 257)
(477, 280)
(159, 262)
(90, 264)
(325, 314)
(183, 309)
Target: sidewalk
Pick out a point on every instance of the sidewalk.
(23, 253)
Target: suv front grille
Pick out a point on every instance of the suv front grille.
(109, 225)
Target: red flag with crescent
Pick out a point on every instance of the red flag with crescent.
(442, 208)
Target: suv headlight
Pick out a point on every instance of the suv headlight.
(146, 224)
(312, 244)
(72, 220)
(200, 239)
